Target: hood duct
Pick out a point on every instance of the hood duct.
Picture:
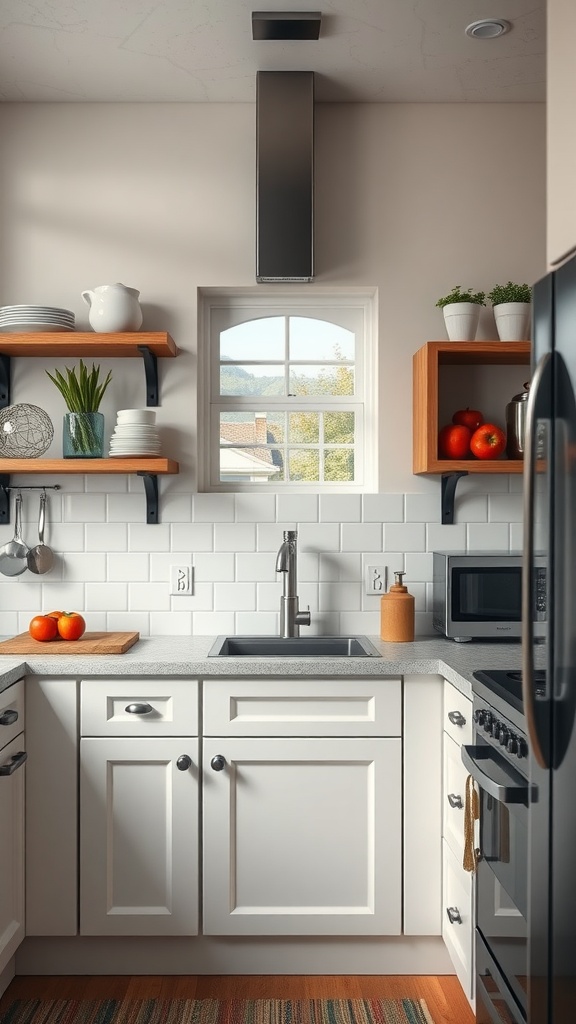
(284, 176)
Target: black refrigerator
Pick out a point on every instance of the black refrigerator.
(550, 531)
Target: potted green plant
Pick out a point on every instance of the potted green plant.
(461, 309)
(511, 303)
(83, 427)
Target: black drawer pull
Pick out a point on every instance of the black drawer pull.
(456, 718)
(16, 761)
(454, 800)
(453, 915)
(8, 717)
(183, 763)
(139, 709)
(218, 762)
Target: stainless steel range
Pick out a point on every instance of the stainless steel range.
(498, 762)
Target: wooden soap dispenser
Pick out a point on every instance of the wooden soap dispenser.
(397, 612)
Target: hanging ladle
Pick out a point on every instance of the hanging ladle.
(41, 557)
(13, 555)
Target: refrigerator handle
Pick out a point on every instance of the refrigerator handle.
(527, 560)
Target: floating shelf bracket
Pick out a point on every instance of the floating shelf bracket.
(449, 481)
(4, 381)
(151, 489)
(4, 498)
(151, 372)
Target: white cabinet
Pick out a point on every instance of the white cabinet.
(422, 786)
(302, 833)
(139, 807)
(51, 806)
(12, 761)
(458, 906)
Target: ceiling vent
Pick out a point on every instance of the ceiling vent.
(284, 176)
(286, 24)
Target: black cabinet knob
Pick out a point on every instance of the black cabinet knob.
(218, 762)
(183, 763)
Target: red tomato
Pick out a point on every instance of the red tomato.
(471, 418)
(70, 625)
(488, 442)
(43, 627)
(454, 442)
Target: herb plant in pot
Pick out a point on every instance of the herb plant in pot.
(511, 304)
(461, 313)
(83, 426)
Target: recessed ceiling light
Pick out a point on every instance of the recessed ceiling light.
(489, 28)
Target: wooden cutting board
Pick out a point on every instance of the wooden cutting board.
(90, 643)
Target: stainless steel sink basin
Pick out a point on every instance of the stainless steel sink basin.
(293, 647)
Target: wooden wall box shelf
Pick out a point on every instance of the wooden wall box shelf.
(427, 362)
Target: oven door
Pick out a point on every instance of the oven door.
(501, 882)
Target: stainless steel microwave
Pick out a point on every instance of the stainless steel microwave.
(478, 595)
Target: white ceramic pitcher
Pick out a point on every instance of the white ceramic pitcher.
(113, 307)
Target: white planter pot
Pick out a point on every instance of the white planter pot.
(461, 319)
(512, 321)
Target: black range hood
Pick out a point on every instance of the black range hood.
(284, 176)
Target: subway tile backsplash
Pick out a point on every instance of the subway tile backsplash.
(116, 569)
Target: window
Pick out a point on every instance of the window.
(284, 398)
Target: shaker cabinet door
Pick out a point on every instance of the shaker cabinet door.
(139, 836)
(302, 836)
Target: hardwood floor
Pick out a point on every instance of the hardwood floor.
(443, 994)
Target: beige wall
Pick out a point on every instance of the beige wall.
(411, 199)
(561, 142)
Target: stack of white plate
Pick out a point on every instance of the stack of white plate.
(135, 434)
(25, 319)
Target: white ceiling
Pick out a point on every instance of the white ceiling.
(197, 51)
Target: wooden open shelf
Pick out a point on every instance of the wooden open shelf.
(87, 343)
(158, 466)
(427, 362)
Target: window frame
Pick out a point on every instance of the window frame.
(287, 302)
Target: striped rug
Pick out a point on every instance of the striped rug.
(215, 1011)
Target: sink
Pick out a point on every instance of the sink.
(293, 647)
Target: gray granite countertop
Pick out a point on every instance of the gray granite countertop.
(188, 656)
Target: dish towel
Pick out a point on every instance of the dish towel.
(471, 814)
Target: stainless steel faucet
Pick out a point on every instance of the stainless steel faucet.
(290, 617)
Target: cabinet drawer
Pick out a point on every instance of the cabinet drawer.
(458, 934)
(302, 707)
(457, 714)
(158, 707)
(453, 797)
(11, 712)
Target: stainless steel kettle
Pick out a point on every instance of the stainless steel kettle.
(516, 424)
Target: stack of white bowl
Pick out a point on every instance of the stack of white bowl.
(135, 434)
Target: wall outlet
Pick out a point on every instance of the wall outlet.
(181, 580)
(376, 579)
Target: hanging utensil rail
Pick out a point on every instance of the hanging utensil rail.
(6, 487)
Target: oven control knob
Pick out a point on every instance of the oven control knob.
(512, 744)
(480, 717)
(522, 748)
(487, 723)
(503, 735)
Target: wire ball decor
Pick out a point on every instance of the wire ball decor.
(26, 431)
